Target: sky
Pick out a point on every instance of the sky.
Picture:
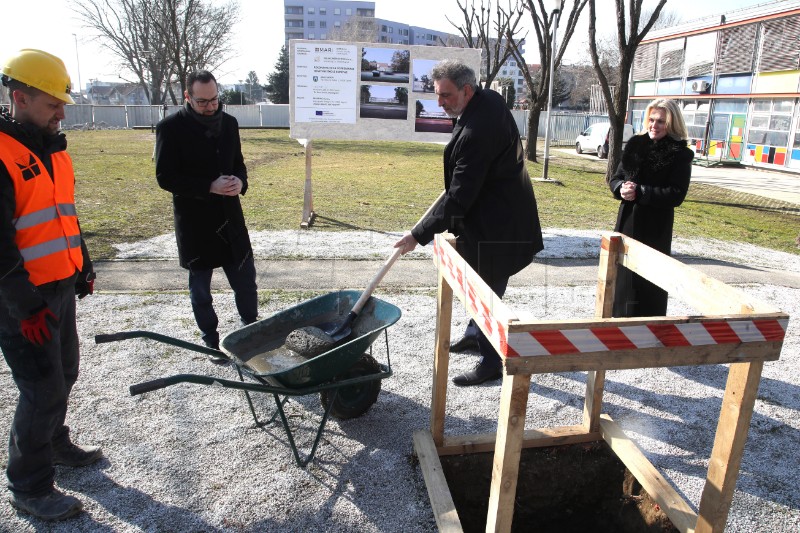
(259, 35)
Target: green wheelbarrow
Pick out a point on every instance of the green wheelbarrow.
(347, 377)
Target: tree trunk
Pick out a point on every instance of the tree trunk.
(533, 134)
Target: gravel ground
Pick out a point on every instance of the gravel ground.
(188, 458)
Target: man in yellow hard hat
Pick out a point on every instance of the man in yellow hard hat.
(44, 263)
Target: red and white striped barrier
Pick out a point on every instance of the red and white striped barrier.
(560, 342)
(494, 317)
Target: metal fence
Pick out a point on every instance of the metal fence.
(563, 128)
(147, 116)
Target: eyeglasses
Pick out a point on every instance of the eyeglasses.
(202, 102)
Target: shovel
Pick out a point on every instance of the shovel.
(313, 340)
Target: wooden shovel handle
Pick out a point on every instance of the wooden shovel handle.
(376, 279)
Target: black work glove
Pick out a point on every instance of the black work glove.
(84, 285)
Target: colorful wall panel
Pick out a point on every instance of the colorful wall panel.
(772, 155)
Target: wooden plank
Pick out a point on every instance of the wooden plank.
(488, 311)
(531, 438)
(441, 359)
(505, 468)
(444, 509)
(308, 196)
(646, 358)
(726, 456)
(706, 294)
(603, 308)
(675, 507)
(522, 326)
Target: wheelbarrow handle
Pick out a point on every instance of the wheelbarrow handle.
(166, 339)
(149, 386)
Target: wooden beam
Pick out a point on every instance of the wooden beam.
(706, 294)
(308, 196)
(444, 509)
(646, 358)
(726, 456)
(531, 438)
(505, 468)
(675, 507)
(441, 359)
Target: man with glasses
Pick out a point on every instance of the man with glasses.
(199, 160)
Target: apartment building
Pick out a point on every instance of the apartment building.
(316, 19)
(737, 79)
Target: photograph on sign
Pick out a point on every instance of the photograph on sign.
(384, 64)
(384, 101)
(431, 118)
(422, 75)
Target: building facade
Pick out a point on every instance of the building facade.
(317, 19)
(737, 79)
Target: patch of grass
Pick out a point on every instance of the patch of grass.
(383, 186)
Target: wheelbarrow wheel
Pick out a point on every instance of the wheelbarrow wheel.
(354, 400)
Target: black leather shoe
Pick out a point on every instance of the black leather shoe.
(479, 374)
(54, 505)
(75, 455)
(463, 344)
(217, 358)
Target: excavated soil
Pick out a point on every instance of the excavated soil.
(570, 488)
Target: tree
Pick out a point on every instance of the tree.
(494, 33)
(161, 41)
(401, 94)
(232, 97)
(401, 61)
(543, 24)
(626, 45)
(278, 82)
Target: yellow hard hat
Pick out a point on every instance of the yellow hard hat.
(41, 70)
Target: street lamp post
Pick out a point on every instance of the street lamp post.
(241, 92)
(554, 8)
(78, 58)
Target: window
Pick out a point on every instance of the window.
(323, 36)
(695, 114)
(383, 28)
(310, 11)
(337, 24)
(323, 24)
(290, 36)
(391, 29)
(294, 23)
(323, 11)
(310, 35)
(311, 23)
(348, 11)
(294, 10)
(734, 84)
(512, 64)
(337, 11)
(770, 122)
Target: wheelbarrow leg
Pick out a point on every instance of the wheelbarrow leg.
(302, 462)
(259, 424)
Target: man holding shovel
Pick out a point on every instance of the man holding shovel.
(488, 204)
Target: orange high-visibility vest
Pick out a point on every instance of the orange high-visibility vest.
(45, 218)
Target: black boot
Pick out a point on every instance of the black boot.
(482, 372)
(464, 344)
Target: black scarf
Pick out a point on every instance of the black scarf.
(212, 123)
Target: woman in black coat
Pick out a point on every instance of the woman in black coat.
(651, 180)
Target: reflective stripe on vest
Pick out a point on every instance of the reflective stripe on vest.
(47, 233)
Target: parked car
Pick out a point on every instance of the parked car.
(595, 139)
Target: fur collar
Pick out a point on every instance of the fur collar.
(644, 154)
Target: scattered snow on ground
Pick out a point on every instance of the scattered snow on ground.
(558, 243)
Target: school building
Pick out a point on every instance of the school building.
(737, 78)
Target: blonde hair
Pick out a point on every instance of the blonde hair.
(676, 127)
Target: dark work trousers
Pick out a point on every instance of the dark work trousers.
(44, 376)
(242, 279)
(498, 285)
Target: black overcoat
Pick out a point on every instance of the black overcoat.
(489, 203)
(210, 228)
(661, 171)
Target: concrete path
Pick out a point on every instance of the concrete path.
(329, 275)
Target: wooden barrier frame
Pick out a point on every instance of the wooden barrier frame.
(734, 329)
